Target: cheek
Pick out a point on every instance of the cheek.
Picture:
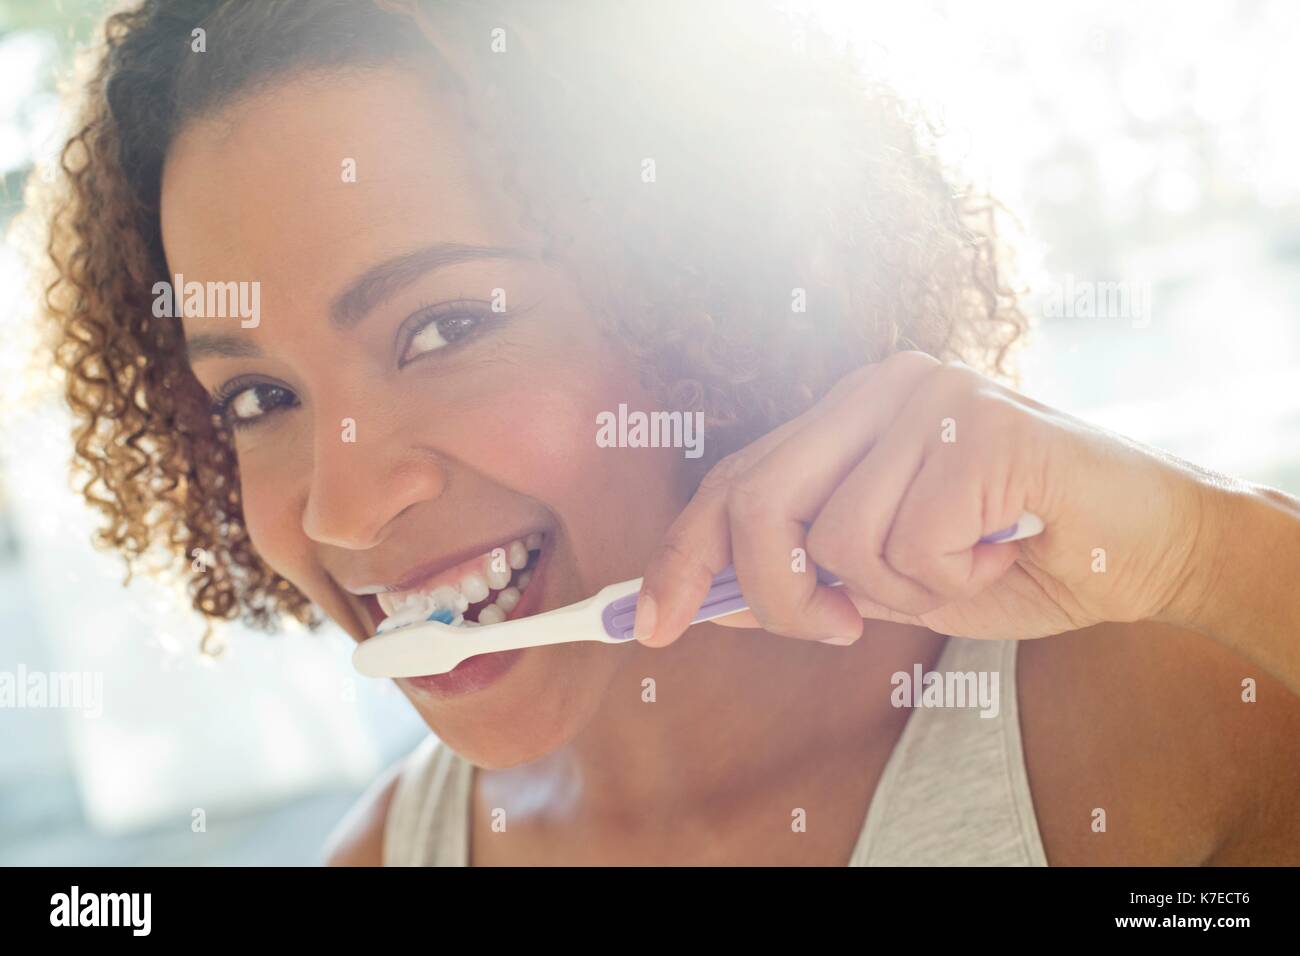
(615, 502)
(536, 432)
(274, 523)
(537, 435)
(544, 442)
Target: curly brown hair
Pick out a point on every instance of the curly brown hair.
(778, 172)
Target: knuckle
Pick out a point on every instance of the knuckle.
(785, 620)
(855, 380)
(925, 568)
(750, 498)
(674, 546)
(908, 560)
(919, 605)
(897, 599)
(913, 373)
(723, 473)
(999, 410)
(912, 359)
(832, 552)
(819, 548)
(772, 614)
(996, 420)
(956, 377)
(674, 558)
(782, 627)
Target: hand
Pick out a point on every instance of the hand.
(890, 481)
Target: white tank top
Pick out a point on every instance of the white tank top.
(954, 791)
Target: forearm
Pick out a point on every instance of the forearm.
(1243, 589)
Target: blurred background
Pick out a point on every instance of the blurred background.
(1150, 152)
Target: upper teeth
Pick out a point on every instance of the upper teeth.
(490, 572)
(474, 587)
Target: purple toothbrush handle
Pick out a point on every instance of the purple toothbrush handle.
(724, 597)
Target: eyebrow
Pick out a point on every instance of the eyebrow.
(388, 278)
(375, 285)
(219, 346)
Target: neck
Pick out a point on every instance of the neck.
(735, 710)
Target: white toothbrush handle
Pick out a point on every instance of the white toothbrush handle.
(433, 648)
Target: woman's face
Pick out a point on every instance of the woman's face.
(395, 432)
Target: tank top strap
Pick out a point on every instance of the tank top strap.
(955, 791)
(428, 817)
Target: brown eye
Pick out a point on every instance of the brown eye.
(251, 404)
(441, 331)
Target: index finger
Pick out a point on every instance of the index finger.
(696, 547)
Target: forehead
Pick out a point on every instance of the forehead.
(263, 191)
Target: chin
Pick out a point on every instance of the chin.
(545, 699)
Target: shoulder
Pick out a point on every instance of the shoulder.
(1190, 749)
(394, 802)
(358, 839)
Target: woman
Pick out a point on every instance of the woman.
(461, 236)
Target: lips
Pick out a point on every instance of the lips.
(477, 671)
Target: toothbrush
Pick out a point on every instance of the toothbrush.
(435, 647)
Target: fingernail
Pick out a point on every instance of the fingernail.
(644, 625)
(841, 641)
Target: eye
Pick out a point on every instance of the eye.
(242, 405)
(441, 326)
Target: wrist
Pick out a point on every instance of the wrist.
(1217, 513)
(1244, 540)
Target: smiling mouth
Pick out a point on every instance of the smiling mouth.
(483, 590)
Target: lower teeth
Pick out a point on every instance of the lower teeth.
(492, 614)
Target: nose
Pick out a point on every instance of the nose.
(361, 480)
